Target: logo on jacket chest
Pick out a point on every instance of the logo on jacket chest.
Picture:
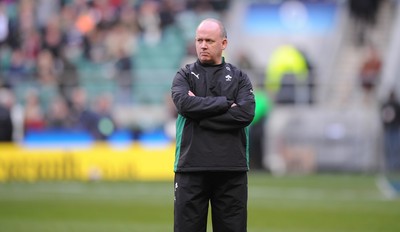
(228, 78)
(196, 75)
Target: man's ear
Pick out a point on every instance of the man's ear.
(224, 44)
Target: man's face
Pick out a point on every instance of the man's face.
(209, 43)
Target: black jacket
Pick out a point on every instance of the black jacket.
(211, 135)
(6, 126)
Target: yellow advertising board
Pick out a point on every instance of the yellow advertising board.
(100, 161)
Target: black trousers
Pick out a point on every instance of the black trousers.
(225, 191)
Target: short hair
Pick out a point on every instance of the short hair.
(220, 24)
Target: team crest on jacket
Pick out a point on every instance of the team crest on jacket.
(228, 78)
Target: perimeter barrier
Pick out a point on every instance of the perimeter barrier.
(99, 161)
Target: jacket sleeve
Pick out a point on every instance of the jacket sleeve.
(236, 117)
(195, 107)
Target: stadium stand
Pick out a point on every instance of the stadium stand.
(132, 50)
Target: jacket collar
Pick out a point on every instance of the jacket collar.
(212, 65)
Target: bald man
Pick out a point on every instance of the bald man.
(215, 104)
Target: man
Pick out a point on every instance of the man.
(6, 125)
(215, 104)
(390, 115)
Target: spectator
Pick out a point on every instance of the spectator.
(287, 76)
(46, 68)
(53, 38)
(17, 71)
(30, 47)
(121, 45)
(73, 36)
(94, 46)
(45, 11)
(106, 123)
(83, 118)
(244, 61)
(311, 79)
(390, 116)
(6, 125)
(68, 75)
(370, 71)
(167, 11)
(26, 21)
(58, 117)
(119, 40)
(172, 115)
(8, 100)
(105, 11)
(86, 20)
(150, 22)
(123, 77)
(257, 135)
(4, 24)
(128, 18)
(33, 115)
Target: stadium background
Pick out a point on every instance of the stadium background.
(111, 167)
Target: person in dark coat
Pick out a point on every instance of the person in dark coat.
(215, 104)
(6, 125)
(390, 115)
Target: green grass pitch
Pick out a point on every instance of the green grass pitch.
(316, 203)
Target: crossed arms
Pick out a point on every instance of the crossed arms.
(215, 112)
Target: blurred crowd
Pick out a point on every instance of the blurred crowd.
(45, 46)
(43, 42)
